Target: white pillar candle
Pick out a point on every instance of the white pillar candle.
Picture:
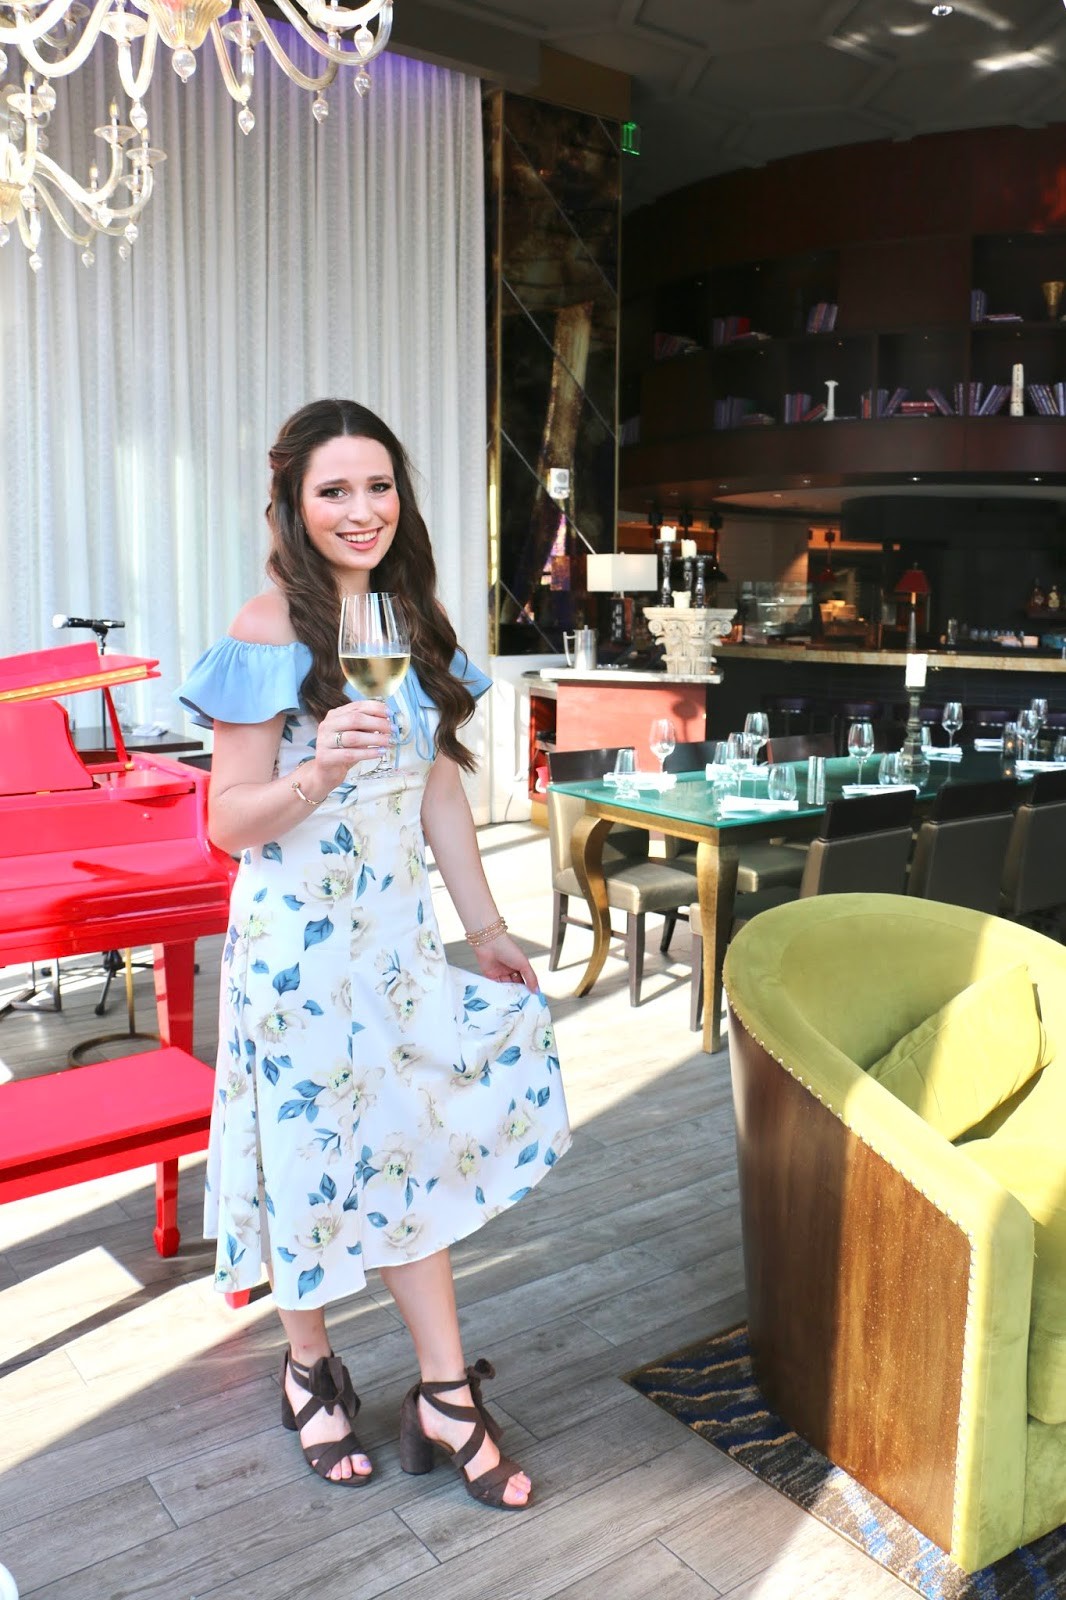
(667, 534)
(914, 676)
(688, 549)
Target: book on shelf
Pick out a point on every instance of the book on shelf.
(872, 403)
(996, 396)
(757, 419)
(1044, 399)
(1003, 316)
(917, 408)
(940, 400)
(796, 407)
(978, 305)
(959, 391)
(725, 329)
(729, 412)
(664, 346)
(822, 317)
(894, 401)
(815, 414)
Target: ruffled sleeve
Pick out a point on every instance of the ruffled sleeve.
(235, 681)
(464, 669)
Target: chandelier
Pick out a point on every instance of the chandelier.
(54, 38)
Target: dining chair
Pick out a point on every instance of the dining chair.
(862, 847)
(761, 866)
(961, 849)
(800, 746)
(1034, 873)
(634, 884)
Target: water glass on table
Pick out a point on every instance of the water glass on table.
(816, 780)
(1059, 752)
(861, 743)
(951, 717)
(890, 769)
(662, 738)
(625, 767)
(781, 783)
(1029, 728)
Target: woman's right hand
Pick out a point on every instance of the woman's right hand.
(359, 730)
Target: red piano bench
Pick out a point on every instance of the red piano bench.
(107, 1116)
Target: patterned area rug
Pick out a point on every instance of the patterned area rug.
(710, 1388)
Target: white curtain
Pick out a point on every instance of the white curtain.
(140, 398)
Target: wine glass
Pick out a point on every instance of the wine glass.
(890, 769)
(951, 717)
(1038, 707)
(740, 754)
(375, 650)
(861, 743)
(1058, 754)
(1029, 728)
(758, 725)
(662, 738)
(781, 783)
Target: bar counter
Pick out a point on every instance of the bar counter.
(938, 660)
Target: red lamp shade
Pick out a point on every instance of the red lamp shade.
(913, 582)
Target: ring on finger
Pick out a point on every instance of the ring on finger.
(338, 741)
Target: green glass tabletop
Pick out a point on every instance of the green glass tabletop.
(692, 798)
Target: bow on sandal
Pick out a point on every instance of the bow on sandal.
(416, 1447)
(329, 1385)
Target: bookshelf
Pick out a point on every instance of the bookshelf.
(902, 280)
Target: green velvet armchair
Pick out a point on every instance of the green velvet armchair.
(904, 1204)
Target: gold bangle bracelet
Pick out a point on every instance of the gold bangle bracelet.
(295, 787)
(485, 935)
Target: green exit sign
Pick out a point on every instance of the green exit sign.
(631, 138)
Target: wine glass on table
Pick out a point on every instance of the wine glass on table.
(951, 717)
(1038, 707)
(1029, 728)
(861, 743)
(375, 650)
(662, 738)
(757, 723)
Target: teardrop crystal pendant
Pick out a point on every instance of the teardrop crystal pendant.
(363, 40)
(246, 120)
(319, 108)
(138, 116)
(87, 258)
(130, 231)
(184, 64)
(124, 251)
(362, 82)
(35, 262)
(46, 96)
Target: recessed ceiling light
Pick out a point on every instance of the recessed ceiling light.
(945, 11)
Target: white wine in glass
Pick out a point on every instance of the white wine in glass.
(374, 647)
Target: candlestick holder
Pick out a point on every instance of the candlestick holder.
(699, 598)
(666, 550)
(913, 761)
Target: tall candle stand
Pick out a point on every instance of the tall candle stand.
(666, 551)
(914, 763)
(699, 598)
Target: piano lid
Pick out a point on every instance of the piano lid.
(69, 669)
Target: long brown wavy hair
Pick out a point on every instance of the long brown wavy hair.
(408, 570)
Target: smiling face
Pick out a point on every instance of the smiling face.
(350, 507)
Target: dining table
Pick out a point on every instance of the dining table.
(691, 808)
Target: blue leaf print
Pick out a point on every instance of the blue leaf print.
(421, 913)
(249, 1049)
(377, 1220)
(260, 966)
(328, 848)
(287, 730)
(232, 1250)
(550, 1158)
(286, 1255)
(528, 1154)
(361, 885)
(269, 1203)
(343, 837)
(272, 851)
(553, 1063)
(291, 1109)
(531, 1094)
(355, 1249)
(479, 1195)
(313, 1007)
(352, 1202)
(358, 1027)
(261, 895)
(508, 1057)
(315, 1199)
(309, 1089)
(270, 1071)
(432, 1184)
(543, 1097)
(309, 1280)
(291, 901)
(310, 1111)
(289, 979)
(315, 932)
(519, 1194)
(468, 991)
(328, 1187)
(475, 1005)
(282, 1061)
(484, 1149)
(385, 882)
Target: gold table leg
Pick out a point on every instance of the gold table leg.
(716, 878)
(586, 854)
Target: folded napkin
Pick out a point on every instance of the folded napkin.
(952, 753)
(850, 790)
(658, 782)
(1039, 766)
(736, 805)
(988, 744)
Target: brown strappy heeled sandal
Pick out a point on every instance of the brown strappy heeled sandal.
(328, 1385)
(416, 1447)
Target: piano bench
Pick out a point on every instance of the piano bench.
(107, 1116)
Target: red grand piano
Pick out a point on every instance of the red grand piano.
(99, 857)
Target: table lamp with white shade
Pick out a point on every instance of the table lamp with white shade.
(619, 575)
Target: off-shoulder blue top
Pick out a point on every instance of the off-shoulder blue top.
(234, 681)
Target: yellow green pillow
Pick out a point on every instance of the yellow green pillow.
(971, 1055)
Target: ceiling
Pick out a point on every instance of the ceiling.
(722, 84)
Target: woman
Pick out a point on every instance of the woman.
(373, 1105)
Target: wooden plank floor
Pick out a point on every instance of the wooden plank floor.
(141, 1452)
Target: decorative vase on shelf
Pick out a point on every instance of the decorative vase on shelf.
(1052, 292)
(688, 637)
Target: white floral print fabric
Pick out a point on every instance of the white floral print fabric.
(373, 1105)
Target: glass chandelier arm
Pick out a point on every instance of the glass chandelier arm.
(290, 69)
(339, 58)
(60, 220)
(61, 67)
(52, 14)
(239, 88)
(86, 201)
(136, 83)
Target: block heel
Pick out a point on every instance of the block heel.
(417, 1448)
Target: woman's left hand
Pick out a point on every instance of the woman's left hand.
(504, 962)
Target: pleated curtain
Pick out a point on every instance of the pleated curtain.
(139, 398)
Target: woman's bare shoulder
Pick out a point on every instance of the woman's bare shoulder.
(264, 620)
